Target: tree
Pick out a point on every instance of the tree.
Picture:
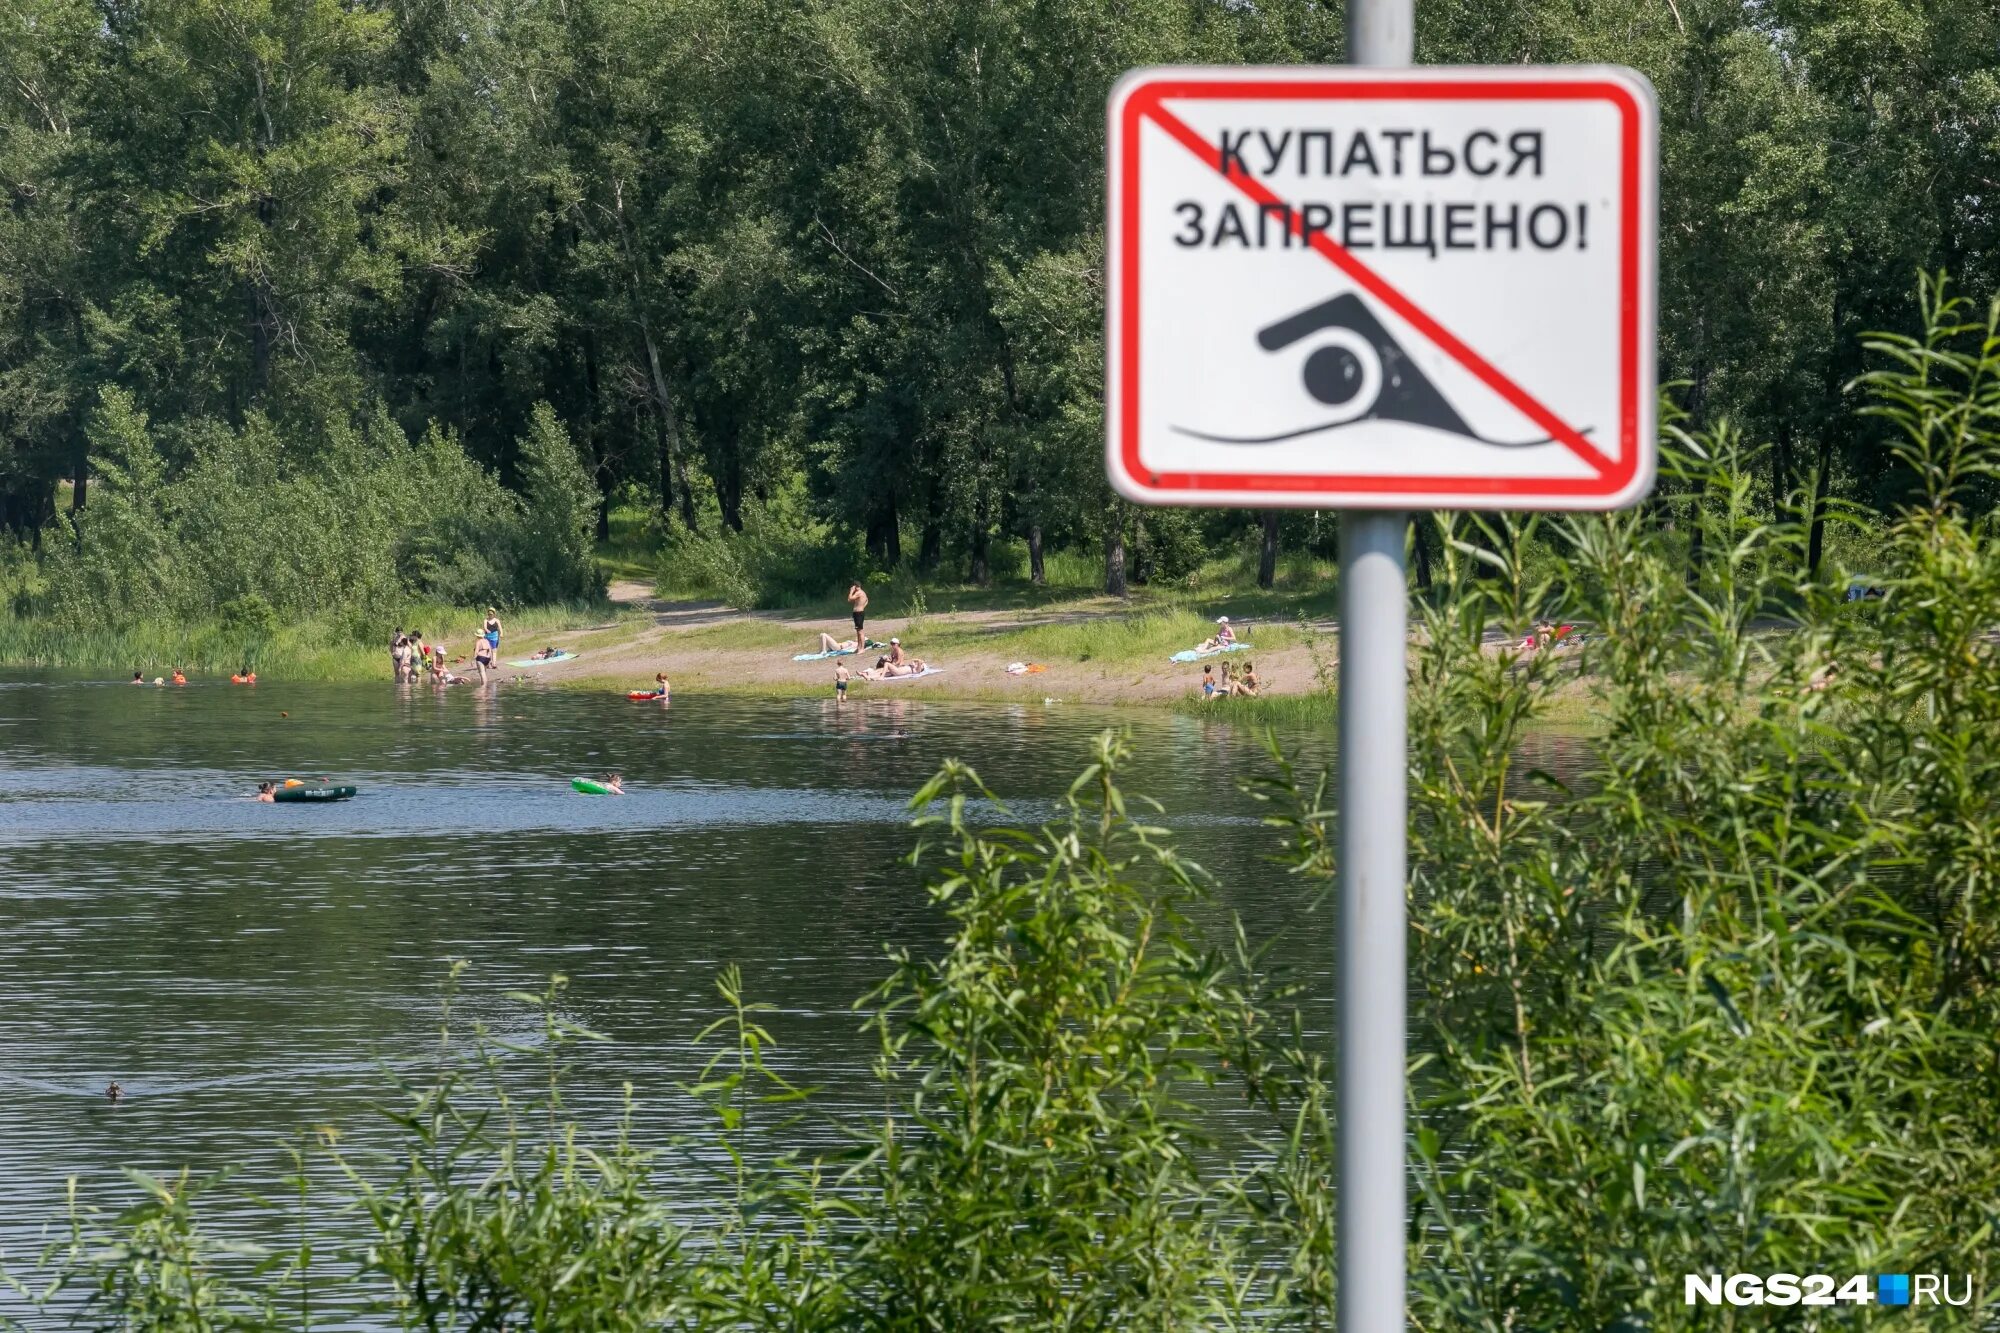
(559, 507)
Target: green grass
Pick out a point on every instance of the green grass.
(1285, 712)
(302, 650)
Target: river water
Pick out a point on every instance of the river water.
(250, 972)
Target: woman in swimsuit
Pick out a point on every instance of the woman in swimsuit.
(482, 657)
(492, 628)
(829, 644)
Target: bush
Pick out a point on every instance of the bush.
(783, 557)
(370, 524)
(559, 516)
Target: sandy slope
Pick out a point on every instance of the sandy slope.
(676, 643)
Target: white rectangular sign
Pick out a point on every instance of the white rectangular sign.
(1382, 288)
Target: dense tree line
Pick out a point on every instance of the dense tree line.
(736, 243)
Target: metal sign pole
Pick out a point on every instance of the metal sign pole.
(1374, 802)
(1374, 741)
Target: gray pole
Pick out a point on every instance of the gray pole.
(1374, 805)
(1374, 744)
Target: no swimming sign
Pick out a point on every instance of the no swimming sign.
(1382, 288)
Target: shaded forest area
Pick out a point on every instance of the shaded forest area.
(836, 256)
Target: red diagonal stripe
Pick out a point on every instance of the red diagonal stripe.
(1374, 284)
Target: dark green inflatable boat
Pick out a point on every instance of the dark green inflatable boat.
(312, 793)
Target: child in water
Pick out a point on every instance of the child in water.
(662, 689)
(840, 682)
(615, 783)
(267, 792)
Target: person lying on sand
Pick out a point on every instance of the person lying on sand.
(887, 670)
(829, 644)
(545, 654)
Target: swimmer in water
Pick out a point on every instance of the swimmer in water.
(267, 792)
(615, 783)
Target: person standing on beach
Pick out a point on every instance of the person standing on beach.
(857, 601)
(840, 682)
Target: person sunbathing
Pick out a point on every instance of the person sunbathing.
(829, 644)
(1224, 637)
(887, 670)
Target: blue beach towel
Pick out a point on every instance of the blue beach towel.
(1195, 654)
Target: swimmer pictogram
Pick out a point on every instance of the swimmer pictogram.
(1355, 372)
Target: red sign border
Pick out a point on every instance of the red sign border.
(1139, 96)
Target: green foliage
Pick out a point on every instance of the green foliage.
(1051, 1058)
(559, 501)
(782, 557)
(881, 285)
(1726, 1003)
(252, 528)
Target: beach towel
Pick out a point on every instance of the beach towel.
(1196, 654)
(822, 656)
(892, 680)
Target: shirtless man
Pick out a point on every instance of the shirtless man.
(857, 602)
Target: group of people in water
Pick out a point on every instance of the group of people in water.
(412, 658)
(244, 677)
